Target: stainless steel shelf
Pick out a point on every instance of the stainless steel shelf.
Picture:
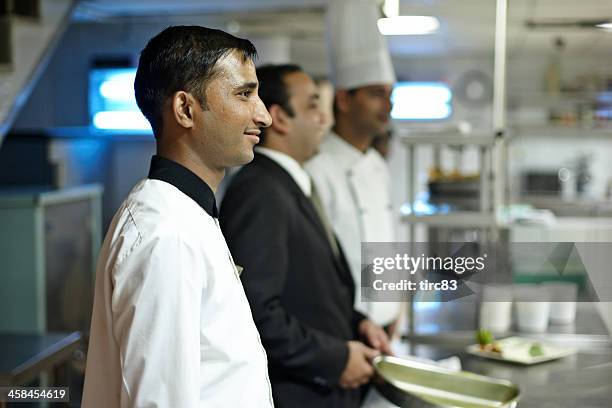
(541, 98)
(459, 219)
(448, 138)
(537, 131)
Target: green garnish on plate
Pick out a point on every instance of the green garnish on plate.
(484, 337)
(536, 350)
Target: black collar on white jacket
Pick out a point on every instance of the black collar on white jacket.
(186, 181)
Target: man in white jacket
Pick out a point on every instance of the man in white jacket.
(352, 178)
(171, 325)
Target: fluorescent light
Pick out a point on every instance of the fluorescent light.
(119, 87)
(605, 26)
(408, 25)
(391, 8)
(121, 120)
(112, 104)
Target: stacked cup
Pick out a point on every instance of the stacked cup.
(496, 308)
(535, 304)
(532, 307)
(563, 301)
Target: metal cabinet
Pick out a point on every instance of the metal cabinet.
(49, 242)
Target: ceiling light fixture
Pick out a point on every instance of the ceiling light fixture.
(605, 26)
(391, 8)
(408, 25)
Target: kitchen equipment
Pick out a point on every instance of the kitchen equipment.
(517, 350)
(414, 384)
(461, 192)
(542, 182)
(49, 241)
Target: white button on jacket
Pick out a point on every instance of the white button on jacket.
(171, 325)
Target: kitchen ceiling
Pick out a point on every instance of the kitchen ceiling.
(467, 26)
(168, 7)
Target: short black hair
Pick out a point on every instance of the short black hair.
(273, 89)
(181, 58)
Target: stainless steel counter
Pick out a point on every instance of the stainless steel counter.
(462, 315)
(583, 380)
(24, 356)
(570, 208)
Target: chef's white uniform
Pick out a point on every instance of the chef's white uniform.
(355, 189)
(171, 325)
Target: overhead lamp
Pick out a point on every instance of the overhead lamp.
(605, 26)
(408, 25)
(390, 8)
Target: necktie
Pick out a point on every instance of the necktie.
(318, 205)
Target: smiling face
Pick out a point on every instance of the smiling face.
(227, 128)
(306, 127)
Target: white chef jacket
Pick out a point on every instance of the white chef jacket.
(355, 189)
(171, 325)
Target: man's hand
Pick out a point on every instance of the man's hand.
(393, 328)
(375, 336)
(358, 369)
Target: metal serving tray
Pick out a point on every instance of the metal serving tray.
(414, 384)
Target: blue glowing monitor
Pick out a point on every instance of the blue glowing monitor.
(112, 104)
(421, 101)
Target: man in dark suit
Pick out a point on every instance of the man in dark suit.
(295, 275)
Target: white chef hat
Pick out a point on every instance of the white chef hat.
(358, 53)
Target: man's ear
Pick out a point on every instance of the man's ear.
(341, 100)
(280, 119)
(183, 106)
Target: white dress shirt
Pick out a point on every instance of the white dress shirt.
(355, 189)
(171, 325)
(291, 166)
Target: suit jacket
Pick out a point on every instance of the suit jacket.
(301, 295)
